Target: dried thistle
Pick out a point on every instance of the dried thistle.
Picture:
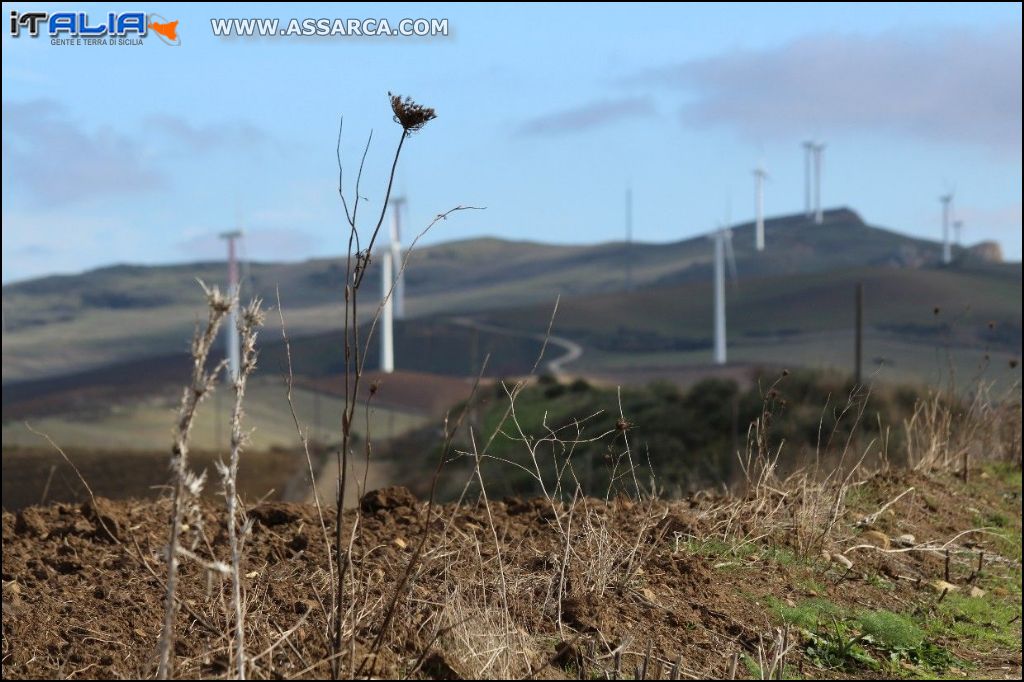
(410, 115)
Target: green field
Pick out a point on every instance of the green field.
(146, 424)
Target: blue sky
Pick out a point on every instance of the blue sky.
(545, 113)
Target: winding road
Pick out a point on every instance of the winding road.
(572, 353)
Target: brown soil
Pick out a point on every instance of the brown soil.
(403, 389)
(82, 586)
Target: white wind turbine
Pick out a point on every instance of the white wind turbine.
(759, 177)
(387, 338)
(233, 350)
(396, 255)
(722, 239)
(817, 149)
(808, 153)
(947, 251)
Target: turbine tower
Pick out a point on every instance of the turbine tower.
(233, 351)
(947, 253)
(817, 149)
(629, 238)
(722, 239)
(387, 339)
(396, 255)
(759, 177)
(808, 153)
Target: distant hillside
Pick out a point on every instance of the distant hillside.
(65, 324)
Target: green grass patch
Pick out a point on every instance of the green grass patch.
(890, 630)
(810, 614)
(979, 624)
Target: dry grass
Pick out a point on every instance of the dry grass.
(948, 432)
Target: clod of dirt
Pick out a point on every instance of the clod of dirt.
(103, 516)
(304, 606)
(516, 506)
(438, 666)
(583, 613)
(30, 522)
(387, 499)
(299, 542)
(677, 522)
(568, 655)
(275, 513)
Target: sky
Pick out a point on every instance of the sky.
(545, 115)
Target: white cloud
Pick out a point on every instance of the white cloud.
(944, 85)
(58, 161)
(593, 115)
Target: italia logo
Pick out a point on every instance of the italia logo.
(119, 26)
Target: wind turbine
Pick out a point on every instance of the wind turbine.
(947, 252)
(808, 153)
(817, 149)
(396, 255)
(629, 238)
(759, 177)
(722, 239)
(387, 333)
(233, 351)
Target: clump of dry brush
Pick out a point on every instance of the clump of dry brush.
(186, 524)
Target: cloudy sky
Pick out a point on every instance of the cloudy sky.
(545, 115)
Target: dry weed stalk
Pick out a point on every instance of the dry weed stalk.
(947, 432)
(187, 485)
(248, 327)
(356, 263)
(303, 435)
(805, 504)
(412, 117)
(771, 657)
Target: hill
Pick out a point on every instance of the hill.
(100, 357)
(63, 324)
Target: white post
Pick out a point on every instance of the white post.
(720, 297)
(759, 208)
